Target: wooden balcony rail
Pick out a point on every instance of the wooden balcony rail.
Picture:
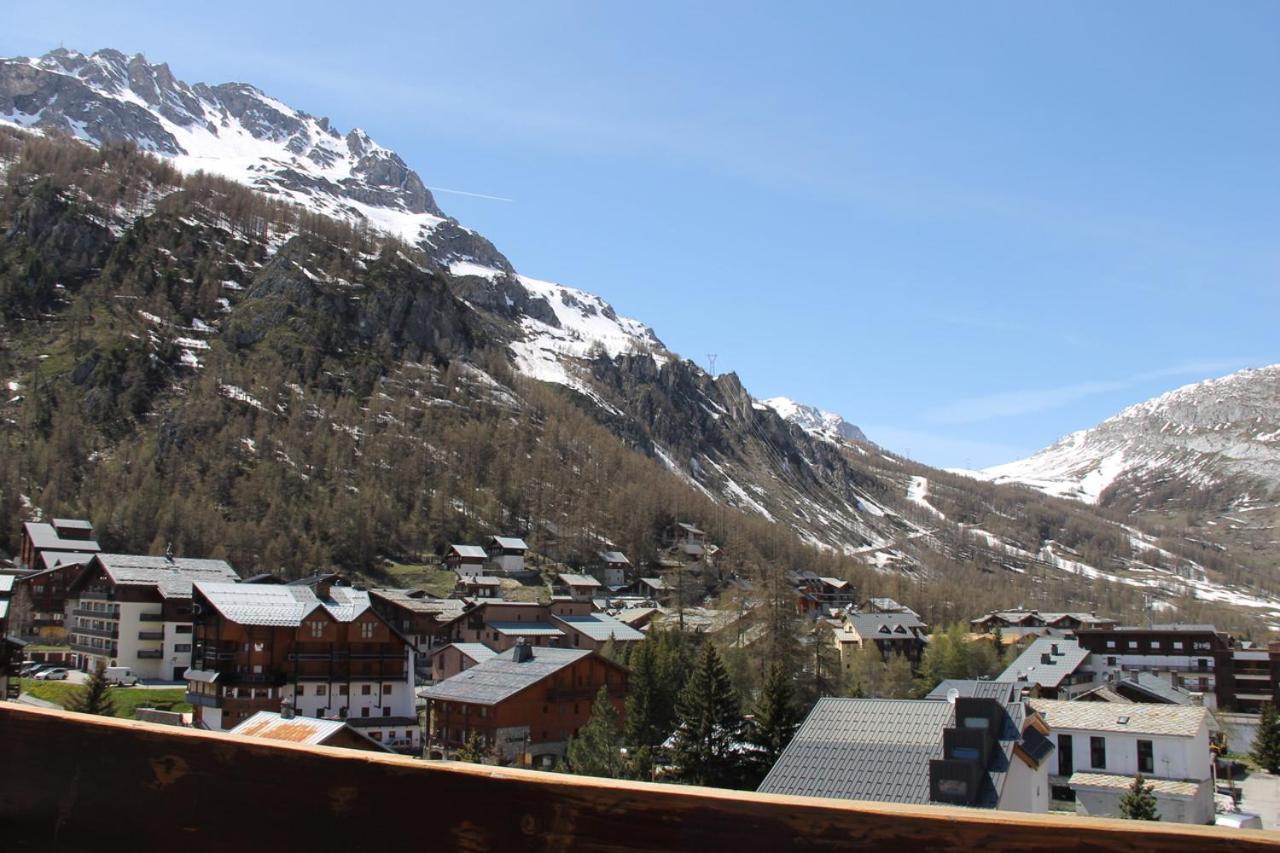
(77, 783)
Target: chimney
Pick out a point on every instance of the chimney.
(168, 552)
(522, 652)
(1053, 649)
(324, 588)
(1046, 658)
(286, 708)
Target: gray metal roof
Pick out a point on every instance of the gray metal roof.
(470, 551)
(1031, 667)
(525, 629)
(600, 627)
(478, 652)
(863, 749)
(171, 576)
(1001, 691)
(885, 626)
(492, 681)
(73, 523)
(271, 604)
(6, 584)
(613, 557)
(879, 749)
(54, 559)
(510, 543)
(45, 537)
(578, 580)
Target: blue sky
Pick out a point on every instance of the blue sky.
(969, 228)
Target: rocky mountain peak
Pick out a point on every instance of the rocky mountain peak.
(826, 425)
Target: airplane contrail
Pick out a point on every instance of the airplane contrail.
(473, 195)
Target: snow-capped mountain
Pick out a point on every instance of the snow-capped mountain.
(1203, 434)
(238, 132)
(826, 425)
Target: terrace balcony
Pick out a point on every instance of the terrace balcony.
(150, 654)
(98, 783)
(151, 635)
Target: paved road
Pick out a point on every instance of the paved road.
(1262, 797)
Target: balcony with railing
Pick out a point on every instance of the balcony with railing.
(95, 783)
(151, 617)
(150, 654)
(151, 635)
(90, 613)
(89, 649)
(105, 633)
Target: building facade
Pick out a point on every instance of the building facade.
(524, 704)
(324, 648)
(135, 611)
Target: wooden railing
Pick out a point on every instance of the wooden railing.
(70, 782)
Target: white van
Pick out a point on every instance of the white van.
(120, 675)
(1239, 820)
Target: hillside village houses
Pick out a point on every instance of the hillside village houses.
(328, 662)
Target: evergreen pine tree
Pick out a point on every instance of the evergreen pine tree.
(596, 750)
(775, 720)
(643, 699)
(1266, 743)
(997, 639)
(709, 725)
(95, 696)
(1139, 803)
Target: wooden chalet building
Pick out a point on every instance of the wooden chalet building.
(62, 535)
(1021, 622)
(39, 608)
(1194, 656)
(466, 559)
(325, 648)
(576, 587)
(687, 539)
(891, 633)
(524, 703)
(562, 623)
(506, 554)
(455, 658)
(135, 611)
(611, 568)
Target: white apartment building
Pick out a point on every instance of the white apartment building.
(135, 611)
(1101, 746)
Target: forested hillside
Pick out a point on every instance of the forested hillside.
(196, 363)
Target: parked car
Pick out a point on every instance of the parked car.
(31, 670)
(55, 673)
(120, 675)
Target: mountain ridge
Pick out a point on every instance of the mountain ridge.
(203, 300)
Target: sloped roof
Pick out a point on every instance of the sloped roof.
(1001, 691)
(45, 537)
(577, 580)
(655, 583)
(55, 559)
(270, 604)
(600, 627)
(478, 652)
(6, 584)
(469, 551)
(884, 626)
(1116, 783)
(1030, 665)
(863, 749)
(613, 557)
(271, 726)
(500, 677)
(525, 629)
(836, 582)
(443, 609)
(691, 528)
(171, 576)
(1138, 717)
(510, 543)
